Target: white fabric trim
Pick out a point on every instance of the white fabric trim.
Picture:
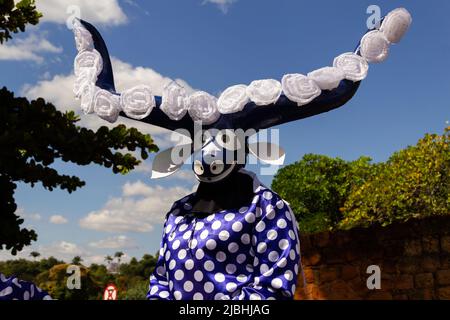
(174, 103)
(87, 93)
(137, 102)
(396, 24)
(85, 77)
(299, 88)
(203, 107)
(354, 66)
(374, 46)
(233, 99)
(88, 60)
(107, 105)
(264, 92)
(83, 38)
(327, 78)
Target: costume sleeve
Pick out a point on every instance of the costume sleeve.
(14, 289)
(276, 250)
(159, 285)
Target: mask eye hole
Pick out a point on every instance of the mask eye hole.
(216, 167)
(198, 168)
(227, 139)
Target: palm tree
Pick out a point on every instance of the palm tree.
(118, 255)
(34, 254)
(108, 259)
(76, 260)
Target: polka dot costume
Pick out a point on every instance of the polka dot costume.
(248, 254)
(14, 289)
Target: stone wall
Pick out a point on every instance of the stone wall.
(414, 259)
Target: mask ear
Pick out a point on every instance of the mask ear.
(267, 152)
(170, 160)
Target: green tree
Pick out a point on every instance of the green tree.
(77, 260)
(54, 281)
(413, 183)
(108, 259)
(317, 187)
(50, 274)
(26, 269)
(15, 17)
(137, 291)
(33, 135)
(118, 255)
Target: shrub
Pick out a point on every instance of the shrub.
(327, 193)
(413, 183)
(317, 186)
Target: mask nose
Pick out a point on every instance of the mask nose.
(209, 162)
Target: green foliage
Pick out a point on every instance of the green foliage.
(137, 291)
(26, 269)
(33, 135)
(317, 186)
(54, 281)
(14, 17)
(413, 183)
(77, 260)
(141, 268)
(34, 254)
(51, 275)
(328, 193)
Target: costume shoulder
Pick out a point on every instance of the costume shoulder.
(14, 289)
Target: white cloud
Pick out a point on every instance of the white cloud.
(61, 250)
(26, 215)
(105, 12)
(30, 48)
(138, 209)
(223, 5)
(137, 188)
(117, 242)
(58, 219)
(66, 248)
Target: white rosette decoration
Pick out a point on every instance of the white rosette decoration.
(174, 103)
(87, 93)
(354, 66)
(83, 38)
(299, 88)
(264, 92)
(107, 105)
(85, 77)
(88, 60)
(203, 107)
(233, 99)
(374, 46)
(327, 78)
(395, 24)
(137, 102)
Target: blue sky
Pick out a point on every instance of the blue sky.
(212, 45)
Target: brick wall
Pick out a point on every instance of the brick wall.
(414, 259)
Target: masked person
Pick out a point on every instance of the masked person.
(233, 238)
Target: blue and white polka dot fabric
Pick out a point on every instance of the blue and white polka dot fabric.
(249, 254)
(14, 289)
